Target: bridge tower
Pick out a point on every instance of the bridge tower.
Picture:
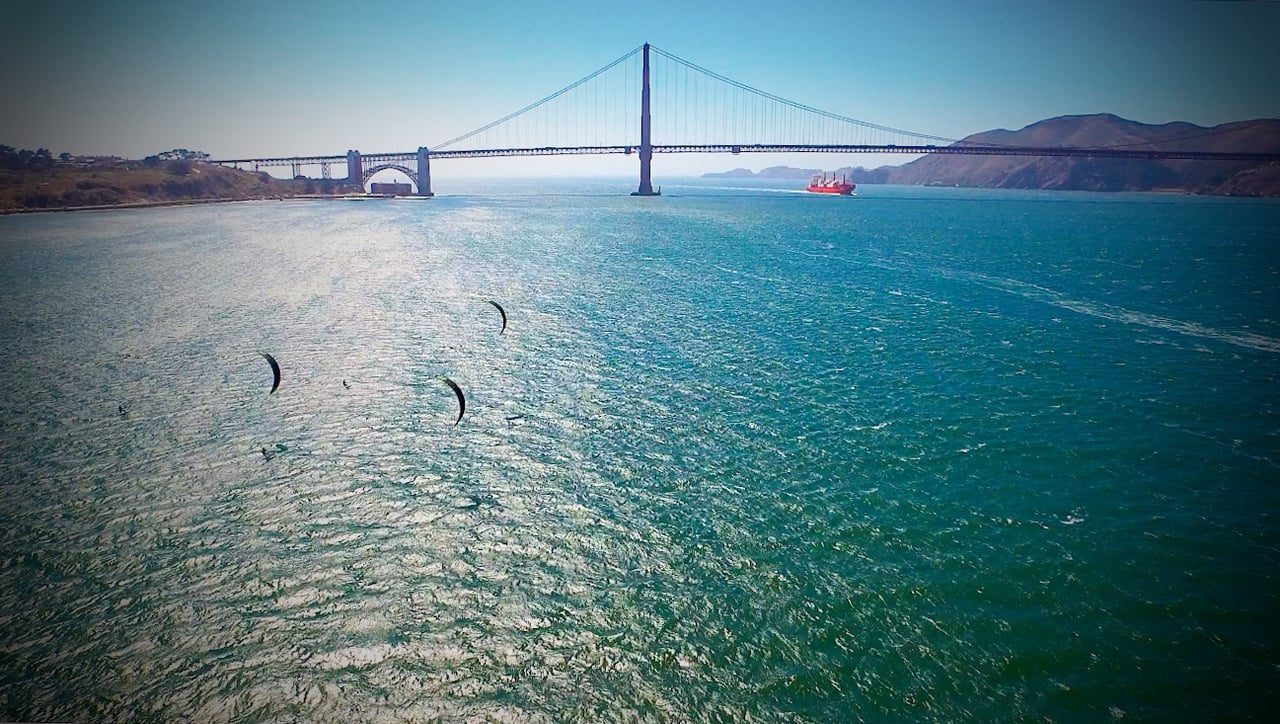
(424, 172)
(646, 142)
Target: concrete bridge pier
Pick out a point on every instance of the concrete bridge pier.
(355, 169)
(424, 172)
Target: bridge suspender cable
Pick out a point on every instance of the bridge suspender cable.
(793, 104)
(531, 106)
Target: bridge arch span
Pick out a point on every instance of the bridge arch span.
(370, 172)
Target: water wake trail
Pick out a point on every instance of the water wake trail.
(1026, 290)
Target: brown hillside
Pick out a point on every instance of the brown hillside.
(1089, 174)
(69, 186)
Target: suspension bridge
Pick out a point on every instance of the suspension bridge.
(651, 101)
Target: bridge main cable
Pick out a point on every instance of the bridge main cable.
(799, 106)
(535, 104)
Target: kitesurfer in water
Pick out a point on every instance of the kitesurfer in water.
(462, 400)
(275, 371)
(501, 311)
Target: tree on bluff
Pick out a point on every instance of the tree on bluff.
(15, 160)
(177, 162)
(181, 154)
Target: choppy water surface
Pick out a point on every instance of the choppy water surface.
(740, 454)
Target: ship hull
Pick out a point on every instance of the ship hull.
(843, 189)
(840, 185)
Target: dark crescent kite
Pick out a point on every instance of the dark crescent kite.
(275, 370)
(501, 311)
(462, 400)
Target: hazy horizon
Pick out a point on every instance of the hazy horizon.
(246, 80)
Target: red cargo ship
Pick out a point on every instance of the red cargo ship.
(820, 184)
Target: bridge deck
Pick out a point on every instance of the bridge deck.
(955, 149)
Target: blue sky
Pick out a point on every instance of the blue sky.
(243, 78)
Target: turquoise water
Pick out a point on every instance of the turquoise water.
(741, 454)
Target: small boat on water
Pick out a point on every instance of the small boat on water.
(820, 184)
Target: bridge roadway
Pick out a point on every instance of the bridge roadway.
(955, 149)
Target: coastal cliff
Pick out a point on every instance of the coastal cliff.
(1221, 178)
(38, 181)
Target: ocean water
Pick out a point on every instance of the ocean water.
(741, 454)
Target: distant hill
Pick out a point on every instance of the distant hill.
(1090, 174)
(784, 172)
(858, 175)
